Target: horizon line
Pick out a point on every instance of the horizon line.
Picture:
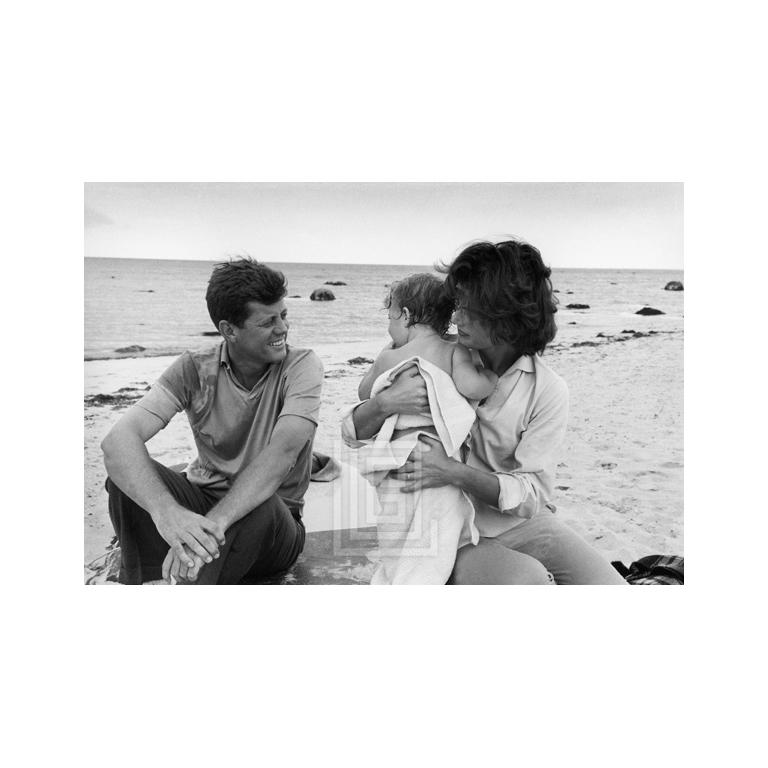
(362, 264)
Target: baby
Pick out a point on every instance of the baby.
(419, 315)
(420, 532)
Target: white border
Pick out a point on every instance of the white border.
(417, 91)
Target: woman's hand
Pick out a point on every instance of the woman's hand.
(428, 466)
(407, 394)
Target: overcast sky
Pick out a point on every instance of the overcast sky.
(611, 225)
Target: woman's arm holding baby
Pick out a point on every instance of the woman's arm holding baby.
(407, 394)
(429, 466)
(472, 383)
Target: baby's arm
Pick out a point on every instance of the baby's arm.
(378, 367)
(472, 383)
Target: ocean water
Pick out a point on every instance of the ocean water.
(160, 304)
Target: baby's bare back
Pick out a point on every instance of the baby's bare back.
(435, 350)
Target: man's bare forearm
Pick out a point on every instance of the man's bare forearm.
(254, 485)
(130, 468)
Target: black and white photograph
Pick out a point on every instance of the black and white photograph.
(342, 296)
(424, 383)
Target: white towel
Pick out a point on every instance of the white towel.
(419, 533)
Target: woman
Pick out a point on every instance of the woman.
(504, 313)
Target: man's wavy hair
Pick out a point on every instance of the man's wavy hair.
(508, 287)
(424, 296)
(236, 282)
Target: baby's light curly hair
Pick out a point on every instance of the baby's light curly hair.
(425, 297)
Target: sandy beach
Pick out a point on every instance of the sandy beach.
(619, 481)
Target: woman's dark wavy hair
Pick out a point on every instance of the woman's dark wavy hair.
(508, 287)
(236, 282)
(424, 296)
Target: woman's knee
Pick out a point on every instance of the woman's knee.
(491, 563)
(528, 570)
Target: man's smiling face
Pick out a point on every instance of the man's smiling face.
(262, 337)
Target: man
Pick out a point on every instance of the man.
(252, 403)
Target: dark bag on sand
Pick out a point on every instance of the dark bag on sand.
(653, 569)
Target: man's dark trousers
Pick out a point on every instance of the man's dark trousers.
(264, 542)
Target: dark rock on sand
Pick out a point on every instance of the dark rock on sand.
(673, 285)
(210, 333)
(334, 282)
(359, 361)
(649, 311)
(572, 322)
(577, 306)
(115, 400)
(630, 331)
(295, 296)
(586, 344)
(602, 335)
(129, 350)
(322, 294)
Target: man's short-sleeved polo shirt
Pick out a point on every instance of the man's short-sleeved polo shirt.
(233, 425)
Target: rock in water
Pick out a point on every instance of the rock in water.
(130, 350)
(322, 294)
(673, 285)
(577, 306)
(359, 360)
(210, 333)
(649, 311)
(334, 282)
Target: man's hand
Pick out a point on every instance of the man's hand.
(175, 571)
(189, 534)
(407, 394)
(428, 466)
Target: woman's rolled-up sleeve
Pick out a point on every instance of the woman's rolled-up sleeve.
(348, 431)
(526, 489)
